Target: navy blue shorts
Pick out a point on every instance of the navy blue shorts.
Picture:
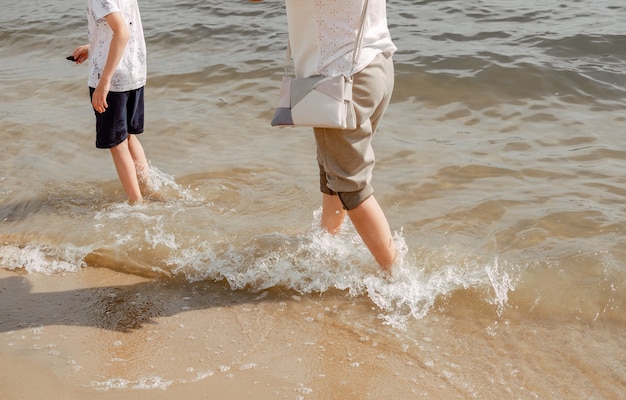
(124, 116)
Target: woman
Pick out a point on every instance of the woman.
(322, 35)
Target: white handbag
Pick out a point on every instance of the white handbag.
(318, 101)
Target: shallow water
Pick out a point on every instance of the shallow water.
(499, 165)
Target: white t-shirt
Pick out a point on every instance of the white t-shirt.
(322, 34)
(131, 71)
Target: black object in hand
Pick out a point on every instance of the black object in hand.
(71, 58)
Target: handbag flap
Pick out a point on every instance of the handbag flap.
(302, 86)
(334, 87)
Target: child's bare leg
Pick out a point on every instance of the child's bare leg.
(126, 171)
(333, 213)
(139, 158)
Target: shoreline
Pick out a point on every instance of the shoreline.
(103, 334)
(73, 357)
(130, 337)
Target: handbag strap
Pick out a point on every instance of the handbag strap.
(355, 52)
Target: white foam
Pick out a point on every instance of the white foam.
(316, 262)
(43, 258)
(311, 262)
(148, 383)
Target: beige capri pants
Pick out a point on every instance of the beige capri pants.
(346, 157)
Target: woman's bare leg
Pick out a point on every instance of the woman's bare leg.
(333, 213)
(371, 224)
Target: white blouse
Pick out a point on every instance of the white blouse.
(322, 35)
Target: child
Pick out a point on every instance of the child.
(117, 76)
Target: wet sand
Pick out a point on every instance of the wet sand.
(28, 380)
(76, 335)
(71, 336)
(101, 334)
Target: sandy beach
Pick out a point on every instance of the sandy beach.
(101, 334)
(76, 334)
(190, 342)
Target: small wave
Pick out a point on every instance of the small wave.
(42, 258)
(317, 262)
(139, 241)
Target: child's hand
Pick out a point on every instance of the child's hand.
(81, 54)
(99, 97)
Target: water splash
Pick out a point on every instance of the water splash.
(316, 262)
(43, 258)
(501, 282)
(146, 240)
(163, 186)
